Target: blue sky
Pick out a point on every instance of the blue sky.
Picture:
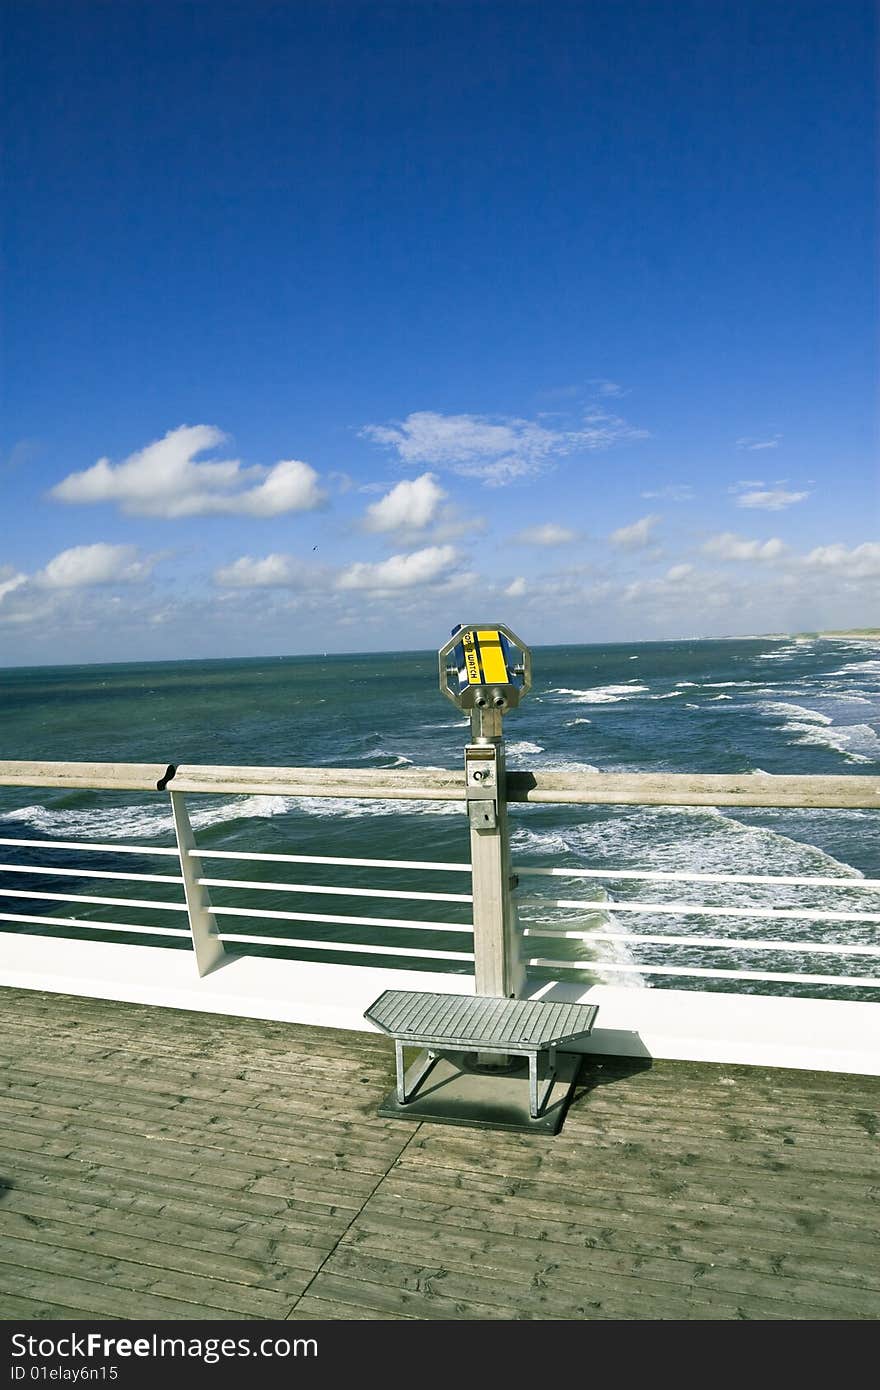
(327, 325)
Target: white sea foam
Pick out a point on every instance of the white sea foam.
(523, 747)
(702, 840)
(603, 694)
(135, 823)
(858, 743)
(721, 697)
(570, 723)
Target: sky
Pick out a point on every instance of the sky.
(328, 325)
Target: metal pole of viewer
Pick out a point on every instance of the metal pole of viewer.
(479, 674)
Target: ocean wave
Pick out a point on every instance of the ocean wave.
(858, 743)
(135, 823)
(571, 722)
(703, 840)
(523, 747)
(798, 712)
(603, 694)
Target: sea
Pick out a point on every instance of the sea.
(772, 705)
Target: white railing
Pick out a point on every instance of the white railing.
(360, 940)
(329, 946)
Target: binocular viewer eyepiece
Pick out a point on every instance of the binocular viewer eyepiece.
(485, 667)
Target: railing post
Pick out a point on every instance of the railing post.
(496, 939)
(209, 949)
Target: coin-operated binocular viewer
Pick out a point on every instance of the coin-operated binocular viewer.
(485, 670)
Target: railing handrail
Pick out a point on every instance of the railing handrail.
(851, 791)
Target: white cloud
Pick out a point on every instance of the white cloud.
(547, 534)
(86, 565)
(400, 571)
(165, 480)
(673, 492)
(408, 506)
(752, 444)
(861, 562)
(772, 500)
(676, 573)
(728, 546)
(516, 588)
(271, 572)
(10, 580)
(635, 536)
(495, 450)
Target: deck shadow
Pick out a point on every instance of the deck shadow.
(596, 1071)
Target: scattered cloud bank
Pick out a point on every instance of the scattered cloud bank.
(859, 562)
(516, 588)
(165, 480)
(496, 450)
(728, 546)
(547, 534)
(636, 536)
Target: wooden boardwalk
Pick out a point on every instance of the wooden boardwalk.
(160, 1164)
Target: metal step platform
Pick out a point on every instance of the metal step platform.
(457, 1080)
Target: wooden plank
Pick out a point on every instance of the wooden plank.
(436, 1288)
(311, 1309)
(98, 1300)
(133, 777)
(569, 1265)
(37, 1310)
(627, 1215)
(247, 1203)
(303, 1249)
(279, 1141)
(271, 1155)
(119, 1273)
(164, 1255)
(434, 784)
(688, 789)
(107, 1189)
(625, 1173)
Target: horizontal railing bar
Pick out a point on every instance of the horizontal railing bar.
(835, 948)
(855, 981)
(264, 885)
(87, 898)
(687, 789)
(128, 777)
(92, 926)
(349, 948)
(404, 784)
(439, 784)
(804, 914)
(88, 873)
(684, 876)
(328, 859)
(353, 921)
(86, 845)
